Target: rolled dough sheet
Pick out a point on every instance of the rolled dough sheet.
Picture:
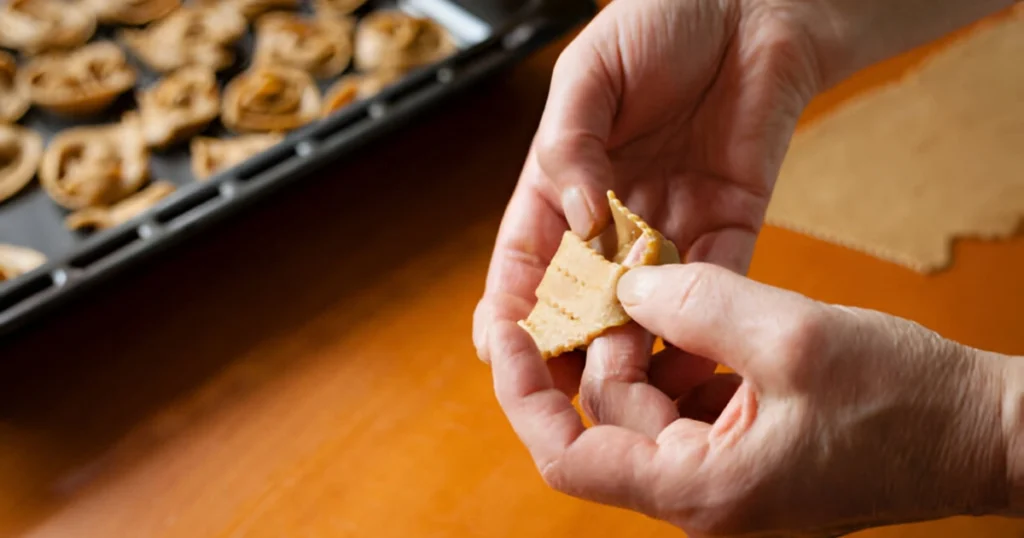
(901, 172)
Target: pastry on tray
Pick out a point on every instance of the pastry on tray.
(20, 151)
(14, 98)
(212, 155)
(95, 165)
(356, 87)
(337, 8)
(36, 26)
(131, 12)
(192, 35)
(250, 9)
(322, 47)
(179, 106)
(270, 98)
(576, 298)
(102, 217)
(82, 82)
(15, 261)
(396, 40)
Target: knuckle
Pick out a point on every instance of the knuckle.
(804, 333)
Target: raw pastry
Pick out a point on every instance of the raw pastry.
(356, 87)
(179, 106)
(321, 47)
(95, 165)
(202, 36)
(132, 12)
(393, 39)
(337, 8)
(16, 261)
(79, 83)
(250, 9)
(100, 217)
(576, 298)
(14, 99)
(270, 98)
(35, 26)
(20, 151)
(212, 155)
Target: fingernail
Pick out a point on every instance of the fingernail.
(636, 286)
(578, 212)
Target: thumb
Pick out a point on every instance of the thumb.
(712, 312)
(571, 141)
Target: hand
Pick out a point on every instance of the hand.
(685, 109)
(843, 419)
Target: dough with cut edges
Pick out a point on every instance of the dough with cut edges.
(576, 298)
(212, 155)
(102, 217)
(14, 97)
(20, 152)
(15, 261)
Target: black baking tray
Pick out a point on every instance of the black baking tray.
(493, 34)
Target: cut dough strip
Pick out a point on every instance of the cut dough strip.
(576, 298)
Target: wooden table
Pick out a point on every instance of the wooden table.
(307, 370)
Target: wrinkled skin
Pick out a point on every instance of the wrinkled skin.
(839, 418)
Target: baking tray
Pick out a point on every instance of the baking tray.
(492, 35)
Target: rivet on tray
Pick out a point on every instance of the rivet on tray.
(146, 230)
(228, 189)
(377, 110)
(305, 148)
(60, 277)
(445, 75)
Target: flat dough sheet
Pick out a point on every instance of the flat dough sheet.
(901, 172)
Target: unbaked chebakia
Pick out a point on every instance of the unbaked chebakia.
(192, 35)
(16, 260)
(131, 12)
(82, 82)
(14, 98)
(576, 298)
(179, 106)
(321, 47)
(270, 98)
(36, 26)
(212, 155)
(391, 39)
(20, 152)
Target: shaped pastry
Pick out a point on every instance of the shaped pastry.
(270, 98)
(102, 217)
(179, 106)
(250, 9)
(212, 155)
(576, 298)
(356, 87)
(35, 26)
(337, 8)
(321, 47)
(95, 165)
(15, 261)
(20, 151)
(14, 99)
(393, 39)
(79, 83)
(132, 12)
(191, 35)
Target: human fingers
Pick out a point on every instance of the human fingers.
(530, 232)
(614, 388)
(676, 372)
(706, 401)
(605, 464)
(712, 312)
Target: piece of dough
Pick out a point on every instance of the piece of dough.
(251, 9)
(79, 83)
(321, 47)
(390, 39)
(193, 35)
(14, 97)
(356, 87)
(212, 155)
(902, 171)
(95, 165)
(20, 152)
(103, 217)
(179, 106)
(132, 12)
(36, 26)
(576, 298)
(15, 261)
(270, 98)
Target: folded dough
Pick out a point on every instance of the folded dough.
(576, 298)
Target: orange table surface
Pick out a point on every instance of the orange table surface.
(306, 370)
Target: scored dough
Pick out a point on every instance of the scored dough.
(576, 298)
